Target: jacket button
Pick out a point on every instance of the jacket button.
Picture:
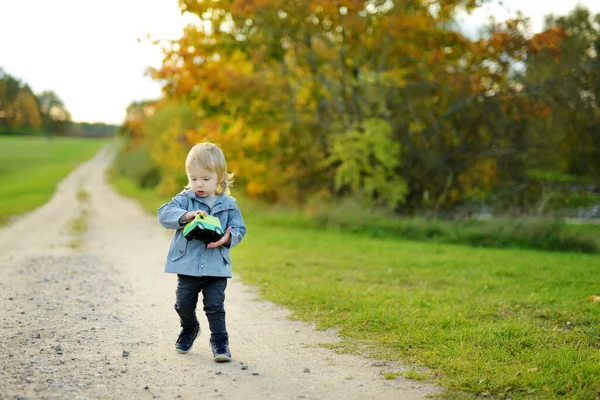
(180, 251)
(202, 266)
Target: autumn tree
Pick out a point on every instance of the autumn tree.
(26, 111)
(13, 113)
(377, 99)
(569, 137)
(56, 118)
(23, 111)
(132, 128)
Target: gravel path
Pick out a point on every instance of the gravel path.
(86, 312)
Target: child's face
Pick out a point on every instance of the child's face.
(202, 182)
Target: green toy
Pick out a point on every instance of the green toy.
(205, 228)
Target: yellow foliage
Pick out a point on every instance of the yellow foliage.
(254, 188)
(275, 91)
(367, 159)
(479, 179)
(416, 126)
(26, 110)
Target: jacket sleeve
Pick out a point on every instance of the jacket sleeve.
(170, 213)
(238, 227)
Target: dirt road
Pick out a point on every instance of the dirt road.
(86, 312)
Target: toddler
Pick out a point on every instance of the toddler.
(203, 268)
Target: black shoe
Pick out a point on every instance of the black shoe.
(220, 349)
(186, 338)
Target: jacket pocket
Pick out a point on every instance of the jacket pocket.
(225, 255)
(178, 248)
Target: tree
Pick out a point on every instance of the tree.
(25, 110)
(9, 89)
(132, 128)
(56, 118)
(571, 127)
(292, 88)
(22, 111)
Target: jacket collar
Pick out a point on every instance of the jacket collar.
(223, 202)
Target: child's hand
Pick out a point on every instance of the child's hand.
(224, 240)
(190, 215)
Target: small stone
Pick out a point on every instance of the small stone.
(307, 370)
(255, 373)
(125, 353)
(244, 367)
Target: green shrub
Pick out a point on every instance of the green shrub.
(139, 167)
(534, 233)
(350, 215)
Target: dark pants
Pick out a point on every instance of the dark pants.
(213, 298)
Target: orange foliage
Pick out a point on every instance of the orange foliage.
(272, 80)
(548, 41)
(477, 180)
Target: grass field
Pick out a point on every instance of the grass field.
(508, 323)
(497, 323)
(30, 168)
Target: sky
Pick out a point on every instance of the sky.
(86, 51)
(93, 54)
(535, 10)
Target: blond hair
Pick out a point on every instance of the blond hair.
(211, 158)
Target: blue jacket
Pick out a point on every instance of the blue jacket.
(192, 257)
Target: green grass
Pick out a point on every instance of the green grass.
(524, 232)
(499, 323)
(589, 229)
(77, 228)
(502, 322)
(146, 197)
(31, 167)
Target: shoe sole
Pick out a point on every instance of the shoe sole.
(222, 358)
(188, 350)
